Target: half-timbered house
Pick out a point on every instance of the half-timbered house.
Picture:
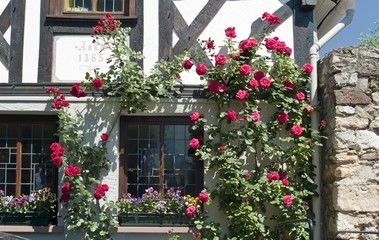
(47, 43)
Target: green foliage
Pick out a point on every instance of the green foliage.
(371, 39)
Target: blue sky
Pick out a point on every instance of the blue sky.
(366, 13)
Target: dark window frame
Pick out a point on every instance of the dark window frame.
(30, 119)
(56, 12)
(159, 120)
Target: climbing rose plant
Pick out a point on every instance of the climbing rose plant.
(260, 148)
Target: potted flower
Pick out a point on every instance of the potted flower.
(34, 209)
(150, 209)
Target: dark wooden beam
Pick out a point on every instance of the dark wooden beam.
(308, 4)
(4, 51)
(17, 41)
(5, 18)
(166, 26)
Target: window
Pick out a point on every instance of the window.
(156, 154)
(25, 163)
(91, 9)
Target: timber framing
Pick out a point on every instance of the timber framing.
(5, 22)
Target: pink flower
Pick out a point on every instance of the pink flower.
(221, 148)
(194, 116)
(323, 123)
(265, 82)
(283, 117)
(288, 86)
(201, 69)
(104, 137)
(55, 147)
(56, 159)
(100, 191)
(211, 44)
(296, 130)
(220, 59)
(258, 75)
(190, 211)
(248, 44)
(97, 83)
(254, 84)
(287, 200)
(245, 70)
(187, 64)
(307, 67)
(105, 187)
(76, 91)
(273, 176)
(256, 116)
(230, 32)
(308, 109)
(194, 143)
(306, 207)
(203, 197)
(213, 86)
(221, 88)
(271, 19)
(285, 181)
(71, 171)
(300, 96)
(242, 95)
(270, 43)
(248, 175)
(231, 115)
(196, 234)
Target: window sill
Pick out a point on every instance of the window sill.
(31, 229)
(87, 18)
(152, 230)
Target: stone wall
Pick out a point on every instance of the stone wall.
(349, 95)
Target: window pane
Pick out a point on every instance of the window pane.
(117, 5)
(100, 6)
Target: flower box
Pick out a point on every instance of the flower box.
(153, 219)
(25, 219)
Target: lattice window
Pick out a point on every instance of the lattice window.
(158, 156)
(25, 163)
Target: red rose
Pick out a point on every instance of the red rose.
(221, 148)
(248, 175)
(242, 95)
(64, 198)
(256, 116)
(265, 82)
(105, 187)
(288, 86)
(97, 83)
(230, 32)
(196, 234)
(76, 91)
(57, 160)
(300, 96)
(187, 64)
(71, 171)
(66, 188)
(245, 70)
(271, 19)
(104, 137)
(203, 197)
(283, 117)
(307, 67)
(220, 59)
(248, 44)
(287, 200)
(306, 207)
(201, 69)
(194, 143)
(273, 176)
(213, 86)
(285, 181)
(211, 44)
(190, 211)
(54, 147)
(323, 123)
(98, 194)
(194, 116)
(270, 43)
(308, 109)
(231, 115)
(296, 130)
(254, 84)
(221, 88)
(258, 75)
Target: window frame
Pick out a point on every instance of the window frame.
(123, 154)
(56, 11)
(30, 119)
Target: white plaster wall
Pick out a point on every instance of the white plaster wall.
(239, 14)
(31, 41)
(3, 69)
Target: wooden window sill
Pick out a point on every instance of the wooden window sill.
(152, 230)
(87, 18)
(31, 229)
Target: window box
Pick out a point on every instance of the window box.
(25, 219)
(153, 219)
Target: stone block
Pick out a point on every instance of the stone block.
(359, 139)
(353, 221)
(346, 170)
(352, 122)
(356, 198)
(344, 79)
(345, 110)
(346, 157)
(351, 97)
